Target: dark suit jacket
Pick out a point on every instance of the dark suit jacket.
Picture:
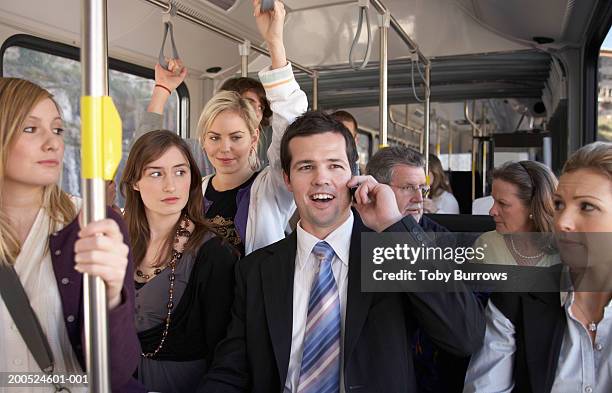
(379, 327)
(540, 322)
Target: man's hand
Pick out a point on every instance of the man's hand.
(375, 203)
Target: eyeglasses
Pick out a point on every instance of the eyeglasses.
(411, 189)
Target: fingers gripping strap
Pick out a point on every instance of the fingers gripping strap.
(162, 59)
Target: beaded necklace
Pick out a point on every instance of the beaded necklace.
(181, 232)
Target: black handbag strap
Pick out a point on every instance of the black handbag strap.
(18, 305)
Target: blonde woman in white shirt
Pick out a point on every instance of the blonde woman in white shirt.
(441, 199)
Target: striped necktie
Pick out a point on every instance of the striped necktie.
(320, 370)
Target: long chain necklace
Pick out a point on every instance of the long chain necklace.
(521, 255)
(591, 326)
(181, 231)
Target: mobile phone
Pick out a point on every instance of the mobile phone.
(267, 5)
(352, 192)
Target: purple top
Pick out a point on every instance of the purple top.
(123, 341)
(243, 200)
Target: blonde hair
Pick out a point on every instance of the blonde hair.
(227, 101)
(18, 98)
(596, 156)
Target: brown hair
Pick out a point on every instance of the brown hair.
(440, 182)
(536, 185)
(596, 156)
(241, 85)
(343, 116)
(146, 149)
(18, 98)
(313, 123)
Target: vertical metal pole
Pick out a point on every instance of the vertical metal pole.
(485, 148)
(450, 145)
(315, 90)
(95, 83)
(547, 151)
(427, 110)
(244, 49)
(438, 132)
(383, 105)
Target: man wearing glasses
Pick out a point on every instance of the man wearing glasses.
(403, 169)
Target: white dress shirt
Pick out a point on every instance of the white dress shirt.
(583, 367)
(305, 270)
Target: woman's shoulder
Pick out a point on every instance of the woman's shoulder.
(217, 249)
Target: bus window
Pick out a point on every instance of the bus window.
(604, 99)
(62, 77)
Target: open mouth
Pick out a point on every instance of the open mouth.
(322, 198)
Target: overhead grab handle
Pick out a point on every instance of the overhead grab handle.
(174, 63)
(363, 10)
(267, 5)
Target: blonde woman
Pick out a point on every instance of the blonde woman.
(40, 238)
(441, 199)
(559, 342)
(248, 205)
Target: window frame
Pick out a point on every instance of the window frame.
(596, 33)
(73, 53)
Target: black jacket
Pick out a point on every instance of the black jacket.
(379, 327)
(200, 319)
(540, 322)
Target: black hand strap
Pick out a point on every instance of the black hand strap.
(18, 305)
(162, 58)
(17, 302)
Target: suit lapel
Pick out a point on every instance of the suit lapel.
(544, 321)
(358, 303)
(277, 283)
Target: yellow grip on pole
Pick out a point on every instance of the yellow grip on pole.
(100, 138)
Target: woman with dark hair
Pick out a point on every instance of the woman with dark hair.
(43, 246)
(184, 273)
(523, 203)
(253, 91)
(441, 199)
(560, 342)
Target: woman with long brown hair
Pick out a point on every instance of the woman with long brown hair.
(43, 245)
(184, 272)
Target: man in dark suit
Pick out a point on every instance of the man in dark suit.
(300, 322)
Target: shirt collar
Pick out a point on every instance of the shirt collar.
(339, 240)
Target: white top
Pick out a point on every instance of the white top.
(305, 270)
(446, 203)
(271, 204)
(497, 253)
(35, 270)
(581, 367)
(481, 206)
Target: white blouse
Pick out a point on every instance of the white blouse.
(35, 270)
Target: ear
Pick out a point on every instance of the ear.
(135, 187)
(255, 137)
(287, 182)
